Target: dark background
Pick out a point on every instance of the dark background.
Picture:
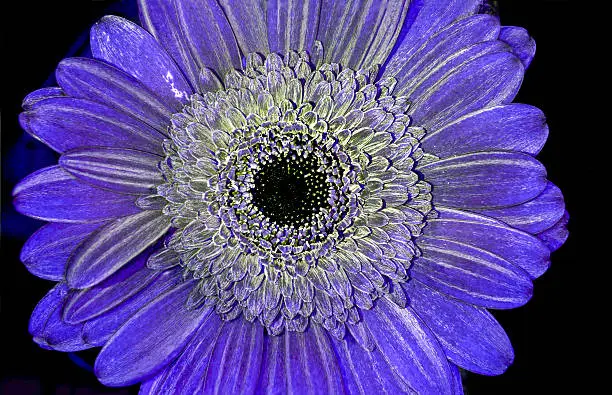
(547, 333)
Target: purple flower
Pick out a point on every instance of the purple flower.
(295, 197)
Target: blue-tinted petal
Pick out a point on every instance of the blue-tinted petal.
(469, 335)
(39, 95)
(114, 245)
(46, 252)
(470, 274)
(485, 179)
(360, 33)
(49, 303)
(248, 21)
(555, 236)
(523, 46)
(52, 194)
(64, 123)
(292, 25)
(514, 127)
(150, 340)
(132, 49)
(517, 247)
(121, 170)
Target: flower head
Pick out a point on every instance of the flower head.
(290, 197)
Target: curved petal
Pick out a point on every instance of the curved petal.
(515, 246)
(557, 234)
(292, 24)
(121, 170)
(150, 339)
(30, 101)
(83, 305)
(132, 49)
(514, 127)
(51, 194)
(470, 274)
(489, 80)
(105, 84)
(360, 33)
(235, 361)
(469, 335)
(208, 35)
(533, 216)
(64, 123)
(47, 251)
(523, 46)
(248, 21)
(114, 245)
(409, 347)
(485, 180)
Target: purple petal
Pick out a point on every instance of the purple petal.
(409, 347)
(471, 274)
(469, 335)
(150, 340)
(235, 361)
(359, 33)
(535, 215)
(188, 373)
(523, 46)
(515, 127)
(486, 81)
(121, 170)
(132, 278)
(47, 305)
(51, 194)
(425, 18)
(132, 49)
(557, 234)
(248, 21)
(300, 362)
(485, 180)
(114, 245)
(159, 18)
(46, 252)
(65, 123)
(102, 83)
(30, 101)
(98, 330)
(457, 384)
(292, 25)
(439, 49)
(209, 35)
(515, 246)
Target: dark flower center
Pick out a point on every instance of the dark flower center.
(291, 189)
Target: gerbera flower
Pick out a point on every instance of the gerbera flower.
(293, 197)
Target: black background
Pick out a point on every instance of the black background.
(548, 333)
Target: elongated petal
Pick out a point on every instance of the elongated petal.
(188, 373)
(208, 35)
(114, 245)
(523, 46)
(409, 347)
(126, 282)
(515, 127)
(235, 361)
(132, 49)
(533, 216)
(425, 18)
(159, 18)
(52, 194)
(46, 252)
(121, 170)
(105, 84)
(39, 95)
(555, 236)
(292, 25)
(485, 180)
(47, 305)
(471, 274)
(64, 123)
(360, 33)
(489, 80)
(469, 335)
(439, 49)
(248, 21)
(150, 339)
(515, 246)
(98, 330)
